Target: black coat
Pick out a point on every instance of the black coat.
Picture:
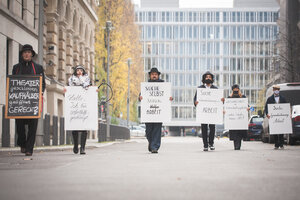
(203, 86)
(236, 134)
(271, 100)
(30, 68)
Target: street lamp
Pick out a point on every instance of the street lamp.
(128, 94)
(108, 28)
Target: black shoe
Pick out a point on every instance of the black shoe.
(205, 149)
(82, 150)
(154, 151)
(23, 150)
(211, 147)
(28, 154)
(149, 149)
(75, 149)
(237, 148)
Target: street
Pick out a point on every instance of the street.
(181, 170)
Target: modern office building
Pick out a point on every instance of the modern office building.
(236, 44)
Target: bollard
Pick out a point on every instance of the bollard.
(47, 130)
(62, 131)
(55, 131)
(5, 130)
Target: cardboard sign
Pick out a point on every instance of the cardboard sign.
(210, 107)
(280, 121)
(156, 104)
(81, 108)
(23, 97)
(236, 114)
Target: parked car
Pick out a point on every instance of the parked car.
(291, 91)
(137, 131)
(296, 124)
(255, 128)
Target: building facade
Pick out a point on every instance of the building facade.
(236, 44)
(69, 31)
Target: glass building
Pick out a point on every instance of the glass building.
(236, 44)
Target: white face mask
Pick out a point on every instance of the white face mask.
(276, 92)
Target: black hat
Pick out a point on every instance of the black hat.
(235, 86)
(154, 70)
(28, 47)
(79, 67)
(205, 74)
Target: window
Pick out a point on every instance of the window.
(226, 32)
(225, 17)
(233, 32)
(190, 32)
(247, 17)
(190, 17)
(233, 16)
(167, 16)
(247, 64)
(232, 64)
(217, 48)
(182, 32)
(162, 32)
(195, 79)
(163, 16)
(175, 29)
(154, 32)
(260, 16)
(181, 64)
(196, 48)
(217, 32)
(202, 32)
(239, 32)
(175, 110)
(154, 16)
(196, 64)
(189, 64)
(253, 32)
(168, 32)
(217, 16)
(252, 17)
(247, 33)
(196, 32)
(176, 16)
(181, 17)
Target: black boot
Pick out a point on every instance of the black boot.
(75, 141)
(83, 140)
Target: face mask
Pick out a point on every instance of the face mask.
(208, 81)
(276, 92)
(235, 92)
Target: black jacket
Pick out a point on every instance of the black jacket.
(203, 86)
(30, 68)
(271, 100)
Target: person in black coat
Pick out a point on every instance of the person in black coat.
(27, 67)
(207, 80)
(153, 130)
(274, 99)
(237, 135)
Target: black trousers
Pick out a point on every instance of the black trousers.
(82, 138)
(278, 138)
(211, 136)
(153, 134)
(23, 141)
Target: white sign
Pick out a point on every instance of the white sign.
(236, 114)
(81, 108)
(156, 104)
(280, 121)
(210, 107)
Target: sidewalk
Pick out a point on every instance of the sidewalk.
(90, 144)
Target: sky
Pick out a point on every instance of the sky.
(202, 3)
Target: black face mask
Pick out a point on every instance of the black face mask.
(235, 92)
(208, 81)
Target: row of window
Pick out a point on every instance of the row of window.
(203, 32)
(190, 16)
(209, 48)
(209, 64)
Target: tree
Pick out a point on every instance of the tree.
(124, 44)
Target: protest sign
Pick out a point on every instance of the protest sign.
(280, 121)
(81, 108)
(210, 107)
(23, 97)
(236, 114)
(156, 104)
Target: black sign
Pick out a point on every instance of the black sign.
(23, 97)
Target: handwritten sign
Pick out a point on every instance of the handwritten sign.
(210, 107)
(156, 104)
(23, 97)
(236, 114)
(280, 121)
(81, 108)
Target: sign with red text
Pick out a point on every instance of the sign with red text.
(156, 104)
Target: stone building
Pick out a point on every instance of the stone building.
(69, 31)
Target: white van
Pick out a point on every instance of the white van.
(291, 92)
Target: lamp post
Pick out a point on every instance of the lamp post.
(128, 94)
(108, 28)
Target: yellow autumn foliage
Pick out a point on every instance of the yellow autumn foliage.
(124, 44)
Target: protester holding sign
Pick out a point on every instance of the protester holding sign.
(153, 130)
(27, 67)
(237, 135)
(207, 80)
(79, 78)
(276, 98)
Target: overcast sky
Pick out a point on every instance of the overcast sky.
(202, 3)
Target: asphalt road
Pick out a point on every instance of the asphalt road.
(181, 170)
